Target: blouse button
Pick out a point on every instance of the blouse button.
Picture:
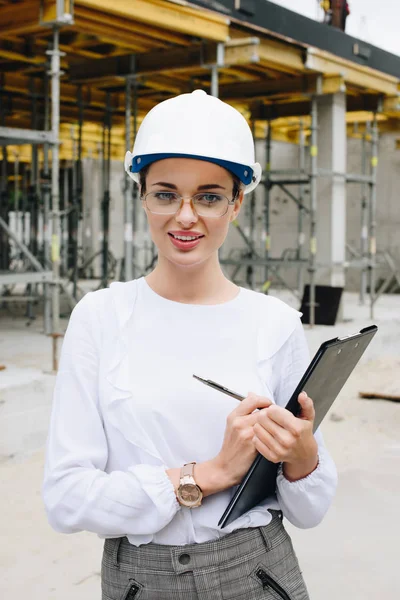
(184, 559)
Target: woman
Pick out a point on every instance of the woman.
(139, 451)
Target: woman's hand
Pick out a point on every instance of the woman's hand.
(238, 449)
(281, 437)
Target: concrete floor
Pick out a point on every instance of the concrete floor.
(352, 555)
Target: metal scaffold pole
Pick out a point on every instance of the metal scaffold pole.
(372, 213)
(77, 190)
(313, 206)
(251, 270)
(300, 213)
(65, 210)
(55, 167)
(267, 202)
(135, 188)
(128, 200)
(364, 221)
(214, 70)
(106, 190)
(4, 245)
(214, 89)
(46, 211)
(214, 81)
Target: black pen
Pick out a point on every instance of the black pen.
(221, 388)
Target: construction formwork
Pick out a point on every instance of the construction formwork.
(227, 60)
(49, 137)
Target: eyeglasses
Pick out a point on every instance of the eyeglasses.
(204, 203)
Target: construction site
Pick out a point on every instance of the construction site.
(321, 232)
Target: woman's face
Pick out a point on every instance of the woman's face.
(188, 177)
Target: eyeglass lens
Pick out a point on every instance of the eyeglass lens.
(206, 204)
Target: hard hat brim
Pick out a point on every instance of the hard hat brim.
(248, 175)
(243, 172)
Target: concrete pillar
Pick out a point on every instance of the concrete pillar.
(331, 189)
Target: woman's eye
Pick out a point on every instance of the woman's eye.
(165, 196)
(209, 198)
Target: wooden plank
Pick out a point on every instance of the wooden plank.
(280, 56)
(260, 111)
(195, 57)
(380, 396)
(20, 57)
(363, 77)
(15, 21)
(254, 90)
(157, 61)
(190, 21)
(391, 106)
(107, 33)
(144, 33)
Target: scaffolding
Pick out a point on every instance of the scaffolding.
(47, 138)
(305, 179)
(59, 249)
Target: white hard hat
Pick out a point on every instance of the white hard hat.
(197, 126)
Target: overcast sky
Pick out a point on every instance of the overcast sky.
(375, 21)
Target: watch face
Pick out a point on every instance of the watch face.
(189, 493)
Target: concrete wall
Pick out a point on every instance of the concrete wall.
(283, 212)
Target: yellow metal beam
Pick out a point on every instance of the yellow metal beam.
(358, 75)
(190, 21)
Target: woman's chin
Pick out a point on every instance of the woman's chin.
(186, 260)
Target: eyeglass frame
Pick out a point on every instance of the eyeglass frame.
(190, 198)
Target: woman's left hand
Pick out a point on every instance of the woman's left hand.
(281, 437)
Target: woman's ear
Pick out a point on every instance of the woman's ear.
(140, 193)
(237, 206)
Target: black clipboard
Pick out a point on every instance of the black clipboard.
(324, 378)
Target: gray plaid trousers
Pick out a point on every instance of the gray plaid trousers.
(249, 564)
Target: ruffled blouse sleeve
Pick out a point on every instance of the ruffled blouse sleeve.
(77, 492)
(304, 502)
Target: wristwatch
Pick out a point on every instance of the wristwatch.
(188, 493)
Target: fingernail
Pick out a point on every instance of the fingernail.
(305, 393)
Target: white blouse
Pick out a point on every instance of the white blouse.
(126, 408)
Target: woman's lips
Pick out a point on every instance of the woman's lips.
(185, 245)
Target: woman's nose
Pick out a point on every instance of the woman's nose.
(186, 213)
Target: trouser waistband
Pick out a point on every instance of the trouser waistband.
(201, 555)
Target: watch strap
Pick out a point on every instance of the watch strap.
(187, 470)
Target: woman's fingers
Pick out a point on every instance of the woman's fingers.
(251, 403)
(282, 437)
(268, 447)
(307, 407)
(287, 420)
(283, 418)
(265, 428)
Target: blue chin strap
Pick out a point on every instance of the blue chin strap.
(244, 173)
